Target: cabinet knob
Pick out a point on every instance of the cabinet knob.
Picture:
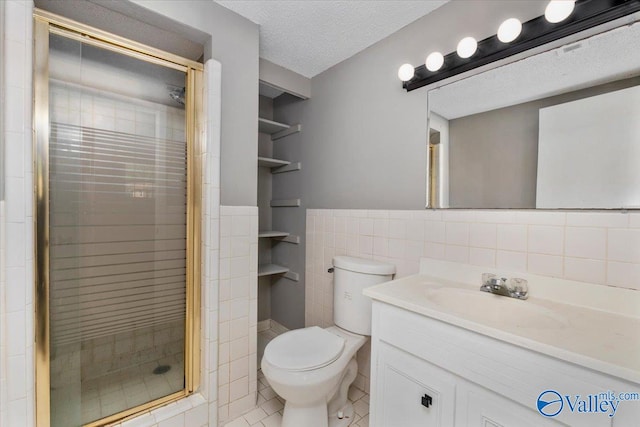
(427, 401)
(330, 270)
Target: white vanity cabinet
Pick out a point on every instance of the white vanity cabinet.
(479, 407)
(473, 380)
(414, 392)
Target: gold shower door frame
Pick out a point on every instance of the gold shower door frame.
(44, 24)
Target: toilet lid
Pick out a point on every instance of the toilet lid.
(304, 349)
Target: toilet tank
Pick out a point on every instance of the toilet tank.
(351, 309)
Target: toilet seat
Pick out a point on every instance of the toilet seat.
(304, 349)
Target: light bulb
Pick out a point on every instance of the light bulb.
(509, 30)
(405, 72)
(467, 47)
(558, 10)
(434, 61)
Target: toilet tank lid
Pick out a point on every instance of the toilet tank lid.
(359, 265)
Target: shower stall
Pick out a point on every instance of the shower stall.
(117, 199)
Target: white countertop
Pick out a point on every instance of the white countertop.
(594, 338)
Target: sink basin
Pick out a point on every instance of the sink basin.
(494, 309)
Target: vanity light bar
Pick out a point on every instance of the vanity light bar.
(536, 32)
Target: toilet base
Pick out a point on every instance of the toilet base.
(316, 416)
(349, 415)
(308, 416)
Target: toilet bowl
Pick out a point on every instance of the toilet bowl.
(308, 386)
(312, 368)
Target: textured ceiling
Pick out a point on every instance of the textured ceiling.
(309, 36)
(602, 58)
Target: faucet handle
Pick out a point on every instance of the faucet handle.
(486, 278)
(519, 288)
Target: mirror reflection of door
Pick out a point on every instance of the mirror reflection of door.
(438, 166)
(434, 169)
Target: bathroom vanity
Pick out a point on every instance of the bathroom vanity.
(446, 354)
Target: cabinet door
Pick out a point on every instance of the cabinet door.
(401, 384)
(478, 407)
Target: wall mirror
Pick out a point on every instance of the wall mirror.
(557, 130)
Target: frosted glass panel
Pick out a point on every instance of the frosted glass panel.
(118, 195)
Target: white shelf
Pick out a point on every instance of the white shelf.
(270, 269)
(285, 203)
(272, 163)
(271, 127)
(268, 234)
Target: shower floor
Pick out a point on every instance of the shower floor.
(102, 376)
(113, 393)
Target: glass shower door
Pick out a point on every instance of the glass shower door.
(118, 198)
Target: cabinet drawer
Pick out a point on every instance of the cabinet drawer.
(403, 381)
(478, 407)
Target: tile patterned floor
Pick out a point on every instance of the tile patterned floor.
(264, 337)
(270, 407)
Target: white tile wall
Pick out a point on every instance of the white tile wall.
(211, 238)
(17, 405)
(237, 379)
(596, 247)
(16, 292)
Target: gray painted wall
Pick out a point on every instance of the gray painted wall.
(285, 79)
(365, 137)
(363, 143)
(133, 22)
(2, 103)
(493, 156)
(233, 41)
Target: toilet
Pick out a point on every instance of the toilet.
(312, 368)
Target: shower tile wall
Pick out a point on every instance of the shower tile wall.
(237, 380)
(17, 403)
(596, 247)
(102, 110)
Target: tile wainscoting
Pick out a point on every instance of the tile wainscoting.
(238, 328)
(596, 247)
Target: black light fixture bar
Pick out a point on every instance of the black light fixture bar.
(536, 32)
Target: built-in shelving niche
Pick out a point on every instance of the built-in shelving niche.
(271, 269)
(281, 236)
(277, 131)
(279, 166)
(275, 269)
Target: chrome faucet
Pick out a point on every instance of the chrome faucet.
(496, 286)
(513, 288)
